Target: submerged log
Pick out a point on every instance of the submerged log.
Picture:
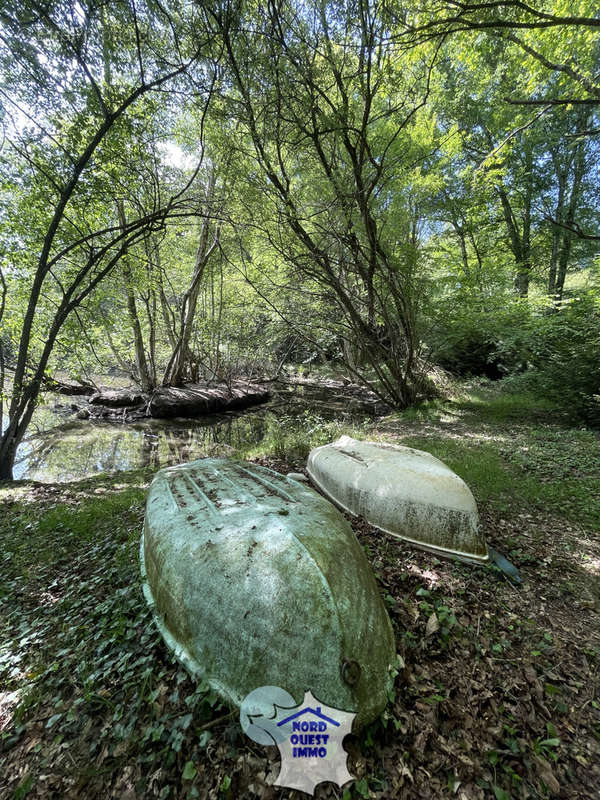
(195, 399)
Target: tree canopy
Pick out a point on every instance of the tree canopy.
(197, 191)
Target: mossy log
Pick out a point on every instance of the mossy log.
(196, 399)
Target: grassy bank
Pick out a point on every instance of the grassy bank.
(509, 448)
(498, 691)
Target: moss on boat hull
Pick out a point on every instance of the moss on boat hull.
(407, 493)
(256, 580)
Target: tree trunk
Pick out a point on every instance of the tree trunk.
(19, 418)
(8, 452)
(180, 357)
(557, 232)
(2, 363)
(567, 236)
(140, 354)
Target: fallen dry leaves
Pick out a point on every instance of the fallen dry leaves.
(496, 695)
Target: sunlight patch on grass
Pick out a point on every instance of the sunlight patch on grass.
(502, 406)
(494, 479)
(8, 701)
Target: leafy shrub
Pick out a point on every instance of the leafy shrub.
(471, 341)
(562, 349)
(535, 345)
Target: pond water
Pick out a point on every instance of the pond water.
(61, 448)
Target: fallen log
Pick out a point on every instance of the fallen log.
(117, 398)
(195, 399)
(61, 387)
(107, 414)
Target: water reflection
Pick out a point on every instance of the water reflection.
(74, 449)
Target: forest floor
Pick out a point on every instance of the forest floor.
(498, 695)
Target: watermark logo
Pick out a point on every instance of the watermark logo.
(309, 736)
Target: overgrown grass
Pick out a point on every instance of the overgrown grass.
(292, 439)
(512, 449)
(486, 402)
(63, 528)
(492, 404)
(496, 480)
(518, 448)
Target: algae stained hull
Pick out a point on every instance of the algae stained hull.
(407, 493)
(255, 579)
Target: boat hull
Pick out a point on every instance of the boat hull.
(407, 493)
(255, 580)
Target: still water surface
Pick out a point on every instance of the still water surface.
(66, 449)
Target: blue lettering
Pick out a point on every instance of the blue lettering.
(305, 726)
(309, 752)
(295, 726)
(305, 738)
(322, 726)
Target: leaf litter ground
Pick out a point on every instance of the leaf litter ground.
(496, 695)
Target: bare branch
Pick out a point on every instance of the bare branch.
(574, 228)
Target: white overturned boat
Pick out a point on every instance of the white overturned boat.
(407, 493)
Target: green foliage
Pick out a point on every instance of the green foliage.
(291, 438)
(562, 349)
(469, 341)
(539, 349)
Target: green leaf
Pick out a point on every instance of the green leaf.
(225, 783)
(362, 787)
(23, 788)
(204, 738)
(189, 771)
(550, 743)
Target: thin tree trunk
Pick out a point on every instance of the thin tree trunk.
(557, 232)
(175, 371)
(2, 363)
(134, 320)
(567, 237)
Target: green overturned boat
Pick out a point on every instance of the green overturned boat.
(255, 579)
